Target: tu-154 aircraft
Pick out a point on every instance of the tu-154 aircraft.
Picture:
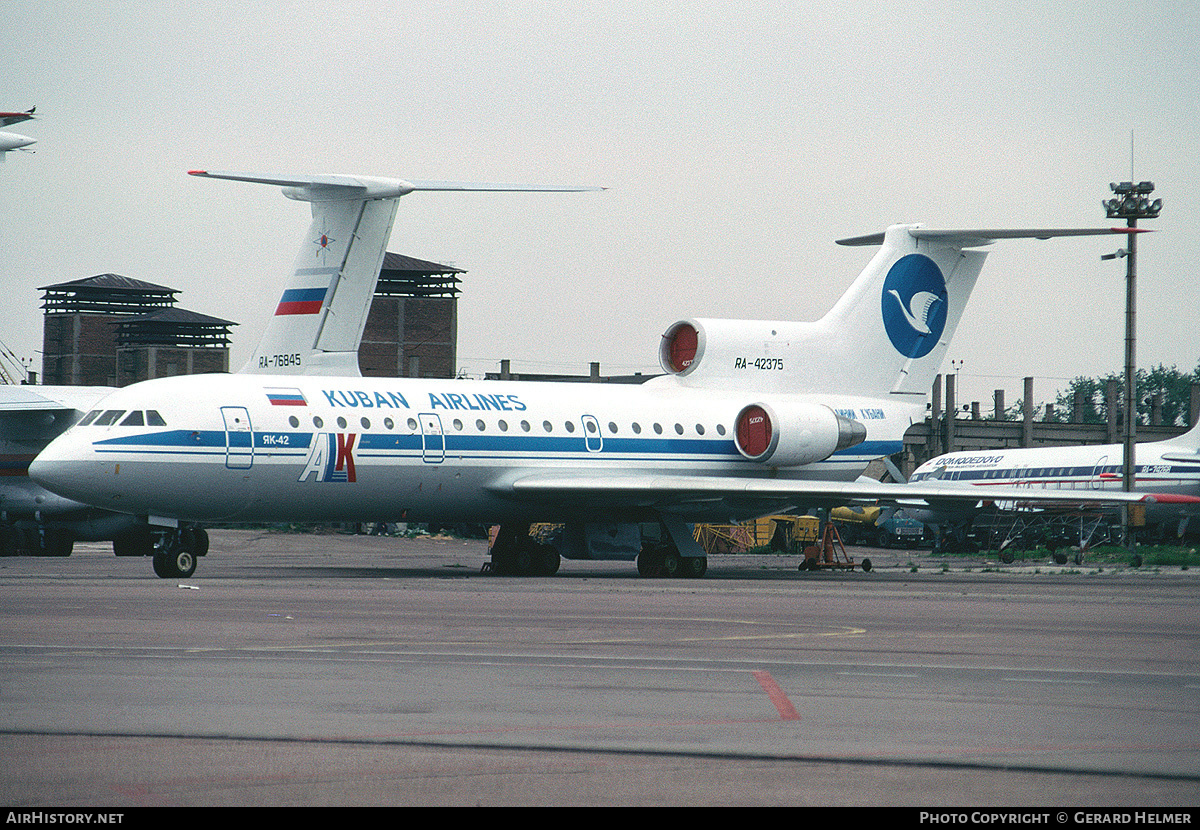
(751, 417)
(1170, 469)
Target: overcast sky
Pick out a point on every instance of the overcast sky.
(738, 140)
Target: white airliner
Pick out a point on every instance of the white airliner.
(14, 141)
(752, 417)
(1170, 469)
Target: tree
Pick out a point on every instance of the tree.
(1174, 386)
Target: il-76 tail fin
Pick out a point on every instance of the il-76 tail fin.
(316, 327)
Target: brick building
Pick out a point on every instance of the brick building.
(412, 327)
(110, 330)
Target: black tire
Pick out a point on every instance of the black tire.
(693, 567)
(174, 562)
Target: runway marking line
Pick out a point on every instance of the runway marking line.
(784, 706)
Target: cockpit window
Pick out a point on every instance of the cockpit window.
(109, 418)
(153, 419)
(88, 418)
(133, 419)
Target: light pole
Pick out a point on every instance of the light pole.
(1131, 203)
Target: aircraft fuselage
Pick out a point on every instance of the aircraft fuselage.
(289, 448)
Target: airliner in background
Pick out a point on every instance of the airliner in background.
(751, 417)
(1170, 469)
(14, 141)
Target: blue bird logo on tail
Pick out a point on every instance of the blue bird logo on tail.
(914, 305)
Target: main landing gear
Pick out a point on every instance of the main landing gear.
(663, 559)
(516, 553)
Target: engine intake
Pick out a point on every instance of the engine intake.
(793, 434)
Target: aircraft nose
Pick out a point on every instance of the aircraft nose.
(61, 469)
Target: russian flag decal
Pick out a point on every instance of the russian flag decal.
(286, 397)
(301, 301)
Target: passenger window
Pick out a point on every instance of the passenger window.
(546, 425)
(480, 425)
(133, 419)
(612, 427)
(570, 425)
(637, 428)
(153, 419)
(366, 423)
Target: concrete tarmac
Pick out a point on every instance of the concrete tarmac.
(306, 669)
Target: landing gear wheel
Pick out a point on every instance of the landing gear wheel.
(670, 563)
(866, 565)
(56, 542)
(546, 560)
(174, 563)
(648, 564)
(693, 567)
(176, 557)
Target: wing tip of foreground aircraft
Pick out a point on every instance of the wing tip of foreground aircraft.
(979, 237)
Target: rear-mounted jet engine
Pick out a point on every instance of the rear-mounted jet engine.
(794, 433)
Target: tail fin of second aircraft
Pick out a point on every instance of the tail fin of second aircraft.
(899, 316)
(318, 322)
(887, 334)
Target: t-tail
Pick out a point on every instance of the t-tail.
(316, 327)
(887, 335)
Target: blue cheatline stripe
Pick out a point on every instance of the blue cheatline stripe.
(473, 447)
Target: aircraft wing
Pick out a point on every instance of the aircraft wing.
(50, 398)
(750, 496)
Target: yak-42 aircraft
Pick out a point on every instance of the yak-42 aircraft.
(751, 418)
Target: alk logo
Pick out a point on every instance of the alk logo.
(914, 305)
(331, 457)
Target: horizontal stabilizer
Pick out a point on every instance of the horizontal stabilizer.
(336, 187)
(976, 238)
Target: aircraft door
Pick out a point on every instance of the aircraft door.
(239, 438)
(1097, 481)
(591, 434)
(433, 439)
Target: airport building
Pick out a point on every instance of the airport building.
(412, 327)
(110, 330)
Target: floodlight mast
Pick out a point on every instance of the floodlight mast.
(1131, 203)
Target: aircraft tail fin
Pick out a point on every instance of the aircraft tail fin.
(887, 334)
(316, 327)
(896, 321)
